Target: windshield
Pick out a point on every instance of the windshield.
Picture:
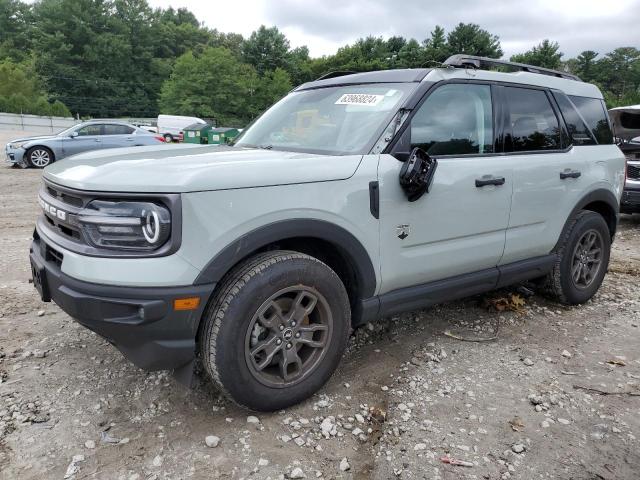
(335, 120)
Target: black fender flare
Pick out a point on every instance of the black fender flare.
(600, 195)
(344, 241)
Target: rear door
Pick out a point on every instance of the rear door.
(459, 225)
(117, 135)
(549, 175)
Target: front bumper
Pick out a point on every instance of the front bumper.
(14, 155)
(140, 321)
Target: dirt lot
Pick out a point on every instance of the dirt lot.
(528, 405)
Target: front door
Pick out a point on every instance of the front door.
(89, 138)
(459, 225)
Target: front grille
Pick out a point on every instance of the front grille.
(65, 197)
(632, 156)
(633, 172)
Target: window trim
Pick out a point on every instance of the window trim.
(498, 104)
(556, 111)
(405, 129)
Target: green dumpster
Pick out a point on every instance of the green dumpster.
(221, 135)
(196, 133)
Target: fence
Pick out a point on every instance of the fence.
(35, 123)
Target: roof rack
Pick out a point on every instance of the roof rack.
(466, 61)
(338, 73)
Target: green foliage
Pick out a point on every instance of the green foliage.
(213, 84)
(20, 92)
(470, 39)
(112, 58)
(547, 55)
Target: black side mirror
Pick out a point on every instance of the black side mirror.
(417, 173)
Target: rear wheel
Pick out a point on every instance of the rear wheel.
(583, 259)
(276, 330)
(39, 157)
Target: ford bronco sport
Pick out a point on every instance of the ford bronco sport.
(354, 197)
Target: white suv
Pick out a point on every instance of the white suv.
(354, 197)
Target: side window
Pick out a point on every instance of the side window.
(578, 131)
(531, 123)
(113, 129)
(93, 129)
(596, 116)
(456, 119)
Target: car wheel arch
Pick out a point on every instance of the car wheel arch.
(601, 201)
(330, 243)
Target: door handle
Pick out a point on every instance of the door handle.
(489, 180)
(568, 173)
(97, 140)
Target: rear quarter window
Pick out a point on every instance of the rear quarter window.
(579, 132)
(595, 114)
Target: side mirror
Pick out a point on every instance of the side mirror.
(73, 134)
(417, 174)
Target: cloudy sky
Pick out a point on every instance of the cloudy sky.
(325, 25)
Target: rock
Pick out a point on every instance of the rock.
(328, 427)
(420, 446)
(344, 465)
(41, 313)
(518, 448)
(212, 441)
(253, 420)
(73, 468)
(528, 362)
(297, 473)
(566, 354)
(90, 444)
(564, 421)
(384, 388)
(157, 461)
(263, 462)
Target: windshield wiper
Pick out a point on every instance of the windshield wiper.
(265, 147)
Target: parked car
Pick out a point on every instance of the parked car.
(626, 123)
(41, 151)
(354, 197)
(171, 126)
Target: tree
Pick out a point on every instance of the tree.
(15, 17)
(272, 86)
(411, 55)
(266, 49)
(213, 84)
(546, 54)
(585, 65)
(436, 49)
(470, 39)
(21, 91)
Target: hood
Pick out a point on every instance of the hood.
(29, 139)
(188, 168)
(626, 122)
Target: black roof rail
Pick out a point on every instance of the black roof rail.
(337, 73)
(465, 61)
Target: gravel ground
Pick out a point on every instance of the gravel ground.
(556, 395)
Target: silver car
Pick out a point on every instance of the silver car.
(39, 152)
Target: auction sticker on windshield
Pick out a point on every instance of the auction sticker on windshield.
(359, 99)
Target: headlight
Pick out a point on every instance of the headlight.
(125, 225)
(16, 145)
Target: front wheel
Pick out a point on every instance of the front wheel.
(583, 259)
(276, 330)
(39, 157)
(168, 138)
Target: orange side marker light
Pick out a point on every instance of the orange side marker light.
(189, 303)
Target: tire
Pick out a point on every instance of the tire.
(39, 157)
(235, 340)
(562, 282)
(168, 138)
